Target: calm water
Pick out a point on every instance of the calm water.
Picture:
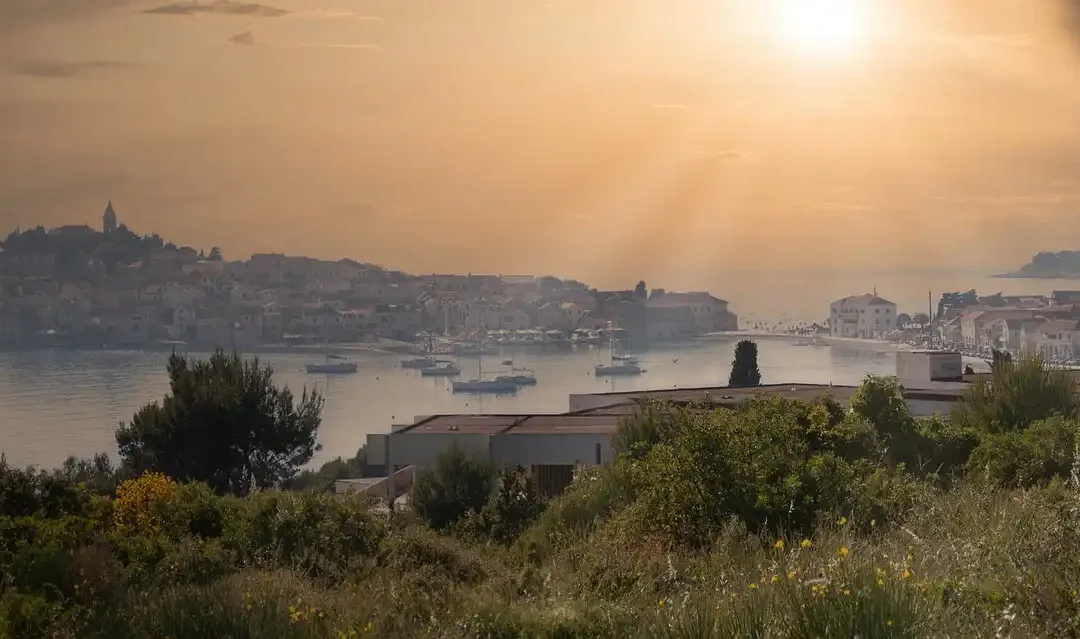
(54, 404)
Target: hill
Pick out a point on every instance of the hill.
(1060, 265)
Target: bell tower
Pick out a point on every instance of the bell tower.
(108, 221)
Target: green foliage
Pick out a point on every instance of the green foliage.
(321, 535)
(957, 301)
(225, 423)
(1016, 395)
(454, 487)
(512, 509)
(773, 464)
(323, 479)
(1044, 451)
(30, 492)
(744, 368)
(774, 519)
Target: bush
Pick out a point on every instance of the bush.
(1044, 451)
(456, 486)
(140, 504)
(319, 535)
(28, 492)
(1016, 396)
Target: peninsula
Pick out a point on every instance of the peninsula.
(1060, 265)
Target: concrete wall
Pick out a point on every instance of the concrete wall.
(552, 449)
(423, 449)
(929, 408)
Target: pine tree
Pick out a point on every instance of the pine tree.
(744, 368)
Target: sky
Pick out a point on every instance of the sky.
(605, 140)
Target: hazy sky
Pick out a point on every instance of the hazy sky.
(599, 139)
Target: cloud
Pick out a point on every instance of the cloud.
(245, 38)
(64, 68)
(220, 7)
(19, 14)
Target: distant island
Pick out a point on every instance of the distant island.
(1060, 265)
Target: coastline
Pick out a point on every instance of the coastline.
(1035, 276)
(868, 344)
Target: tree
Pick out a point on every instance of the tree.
(223, 422)
(456, 486)
(215, 254)
(641, 291)
(957, 300)
(902, 320)
(922, 319)
(744, 368)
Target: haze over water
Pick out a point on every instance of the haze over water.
(55, 403)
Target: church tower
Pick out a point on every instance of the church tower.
(108, 223)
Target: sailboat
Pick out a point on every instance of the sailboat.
(519, 376)
(334, 364)
(428, 360)
(624, 368)
(485, 386)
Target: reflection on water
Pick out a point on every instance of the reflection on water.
(54, 404)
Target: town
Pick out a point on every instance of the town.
(80, 286)
(1047, 326)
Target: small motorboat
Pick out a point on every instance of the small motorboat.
(485, 386)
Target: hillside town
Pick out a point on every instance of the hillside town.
(1048, 326)
(1043, 325)
(110, 287)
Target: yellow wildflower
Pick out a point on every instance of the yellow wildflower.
(775, 579)
(847, 592)
(843, 521)
(873, 523)
(906, 574)
(660, 603)
(889, 623)
(881, 582)
(791, 574)
(880, 572)
(753, 586)
(779, 545)
(805, 543)
(843, 552)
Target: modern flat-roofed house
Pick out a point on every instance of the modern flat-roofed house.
(549, 447)
(862, 316)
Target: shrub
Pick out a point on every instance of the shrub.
(31, 492)
(1016, 396)
(418, 549)
(456, 486)
(140, 504)
(318, 534)
(1046, 450)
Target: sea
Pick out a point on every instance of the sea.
(56, 403)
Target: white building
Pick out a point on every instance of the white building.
(862, 316)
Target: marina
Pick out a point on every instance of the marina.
(59, 403)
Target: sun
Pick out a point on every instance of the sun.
(824, 28)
